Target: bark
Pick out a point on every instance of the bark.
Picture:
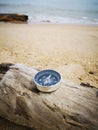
(71, 107)
(16, 18)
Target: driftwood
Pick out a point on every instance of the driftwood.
(16, 18)
(71, 107)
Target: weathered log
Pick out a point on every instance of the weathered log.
(16, 18)
(71, 107)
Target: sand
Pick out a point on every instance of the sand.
(72, 50)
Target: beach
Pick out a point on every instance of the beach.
(72, 50)
(60, 35)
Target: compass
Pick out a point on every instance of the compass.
(47, 80)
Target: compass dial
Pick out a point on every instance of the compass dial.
(47, 78)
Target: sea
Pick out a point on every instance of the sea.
(54, 11)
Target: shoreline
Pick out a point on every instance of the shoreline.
(51, 23)
(70, 49)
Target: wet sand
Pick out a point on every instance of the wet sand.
(70, 49)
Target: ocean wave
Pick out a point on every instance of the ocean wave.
(62, 20)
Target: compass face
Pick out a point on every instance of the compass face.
(47, 78)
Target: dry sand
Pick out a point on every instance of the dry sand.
(70, 49)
